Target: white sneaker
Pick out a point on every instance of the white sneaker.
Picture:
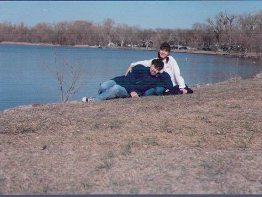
(91, 99)
(86, 99)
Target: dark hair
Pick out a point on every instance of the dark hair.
(158, 63)
(165, 46)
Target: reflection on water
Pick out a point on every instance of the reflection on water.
(27, 73)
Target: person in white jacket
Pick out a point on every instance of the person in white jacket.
(170, 66)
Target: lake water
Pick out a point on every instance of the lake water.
(27, 73)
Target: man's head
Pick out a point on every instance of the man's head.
(156, 66)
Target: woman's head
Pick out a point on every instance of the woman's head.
(164, 50)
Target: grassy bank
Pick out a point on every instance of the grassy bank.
(207, 142)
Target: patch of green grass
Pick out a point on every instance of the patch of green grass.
(115, 124)
(152, 141)
(165, 127)
(86, 185)
(107, 161)
(134, 191)
(126, 149)
(118, 185)
(205, 119)
(241, 144)
(200, 142)
(96, 126)
(24, 130)
(206, 165)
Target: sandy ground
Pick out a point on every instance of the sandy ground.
(209, 142)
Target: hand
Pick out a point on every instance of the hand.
(183, 90)
(128, 70)
(134, 94)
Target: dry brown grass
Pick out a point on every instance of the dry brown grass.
(207, 142)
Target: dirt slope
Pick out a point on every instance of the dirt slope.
(207, 142)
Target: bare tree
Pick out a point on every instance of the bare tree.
(122, 33)
(247, 26)
(67, 75)
(132, 39)
(61, 30)
(68, 81)
(223, 27)
(146, 37)
(224, 31)
(42, 33)
(107, 31)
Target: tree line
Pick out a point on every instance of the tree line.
(225, 32)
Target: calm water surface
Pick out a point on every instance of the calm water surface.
(27, 73)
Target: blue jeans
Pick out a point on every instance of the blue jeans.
(109, 89)
(154, 91)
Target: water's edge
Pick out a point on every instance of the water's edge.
(194, 87)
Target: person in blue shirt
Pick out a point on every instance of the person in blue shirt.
(135, 83)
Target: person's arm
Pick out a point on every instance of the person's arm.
(166, 81)
(146, 63)
(179, 79)
(134, 77)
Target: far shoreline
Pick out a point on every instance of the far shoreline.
(252, 56)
